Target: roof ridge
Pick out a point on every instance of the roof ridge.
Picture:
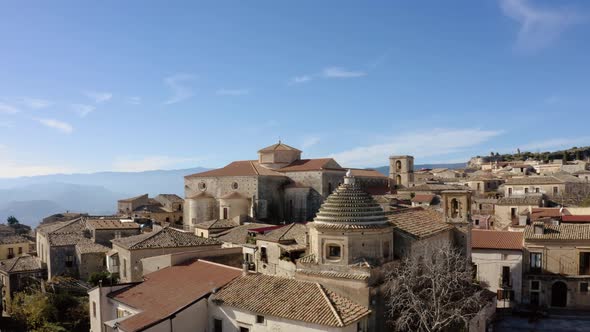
(148, 237)
(331, 305)
(254, 167)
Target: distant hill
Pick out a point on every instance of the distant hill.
(30, 199)
(575, 153)
(385, 169)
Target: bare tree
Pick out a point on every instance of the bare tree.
(434, 293)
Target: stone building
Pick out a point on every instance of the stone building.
(401, 170)
(90, 258)
(497, 259)
(125, 257)
(16, 274)
(553, 186)
(417, 230)
(13, 245)
(457, 212)
(278, 187)
(507, 209)
(164, 208)
(280, 248)
(103, 230)
(557, 265)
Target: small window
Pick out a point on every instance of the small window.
(263, 255)
(535, 285)
(537, 190)
(244, 329)
(217, 325)
(555, 190)
(259, 319)
(386, 249)
(476, 222)
(535, 260)
(93, 309)
(583, 287)
(509, 191)
(20, 250)
(69, 261)
(234, 185)
(526, 190)
(334, 251)
(202, 186)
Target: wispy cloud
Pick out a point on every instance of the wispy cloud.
(99, 97)
(421, 144)
(300, 79)
(232, 92)
(150, 163)
(35, 103)
(134, 100)
(555, 143)
(539, 27)
(339, 72)
(180, 90)
(82, 110)
(64, 127)
(8, 109)
(12, 168)
(310, 141)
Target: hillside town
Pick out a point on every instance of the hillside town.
(283, 243)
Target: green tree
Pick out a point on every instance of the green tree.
(565, 156)
(106, 277)
(12, 220)
(578, 155)
(32, 309)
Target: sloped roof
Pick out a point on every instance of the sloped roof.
(558, 232)
(487, 239)
(370, 173)
(219, 223)
(238, 168)
(576, 218)
(12, 239)
(305, 165)
(239, 234)
(434, 187)
(130, 199)
(278, 147)
(86, 247)
(290, 299)
(291, 232)
(171, 198)
(164, 238)
(21, 264)
(111, 224)
(419, 222)
(423, 198)
(166, 291)
(543, 179)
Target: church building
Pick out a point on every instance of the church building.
(278, 187)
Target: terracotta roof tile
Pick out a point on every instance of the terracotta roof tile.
(21, 264)
(290, 299)
(578, 218)
(164, 238)
(12, 239)
(423, 198)
(165, 291)
(419, 222)
(370, 173)
(534, 200)
(278, 147)
(238, 168)
(289, 233)
(558, 232)
(303, 165)
(484, 239)
(111, 224)
(239, 234)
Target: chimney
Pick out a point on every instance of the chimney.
(245, 268)
(539, 228)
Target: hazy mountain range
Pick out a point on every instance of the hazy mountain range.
(32, 198)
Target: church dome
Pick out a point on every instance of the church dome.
(350, 207)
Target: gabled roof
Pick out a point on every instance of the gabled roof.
(558, 232)
(289, 233)
(164, 238)
(171, 198)
(369, 173)
(306, 165)
(278, 147)
(238, 168)
(534, 200)
(543, 179)
(577, 218)
(419, 222)
(21, 264)
(87, 247)
(130, 199)
(219, 223)
(12, 239)
(423, 198)
(239, 234)
(169, 290)
(111, 224)
(290, 299)
(484, 239)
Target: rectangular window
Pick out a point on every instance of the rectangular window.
(513, 212)
(535, 285)
(537, 190)
(10, 252)
(217, 325)
(386, 249)
(93, 309)
(555, 190)
(225, 213)
(505, 276)
(244, 329)
(476, 222)
(20, 250)
(263, 255)
(259, 319)
(583, 287)
(536, 262)
(526, 190)
(69, 260)
(124, 268)
(509, 191)
(334, 251)
(584, 263)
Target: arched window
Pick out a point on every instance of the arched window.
(398, 180)
(398, 165)
(454, 208)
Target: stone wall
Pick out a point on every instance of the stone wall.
(104, 236)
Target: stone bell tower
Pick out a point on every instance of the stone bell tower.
(457, 211)
(401, 171)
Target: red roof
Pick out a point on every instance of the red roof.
(580, 218)
(239, 168)
(484, 239)
(425, 198)
(164, 292)
(311, 165)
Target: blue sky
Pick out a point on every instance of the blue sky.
(137, 85)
